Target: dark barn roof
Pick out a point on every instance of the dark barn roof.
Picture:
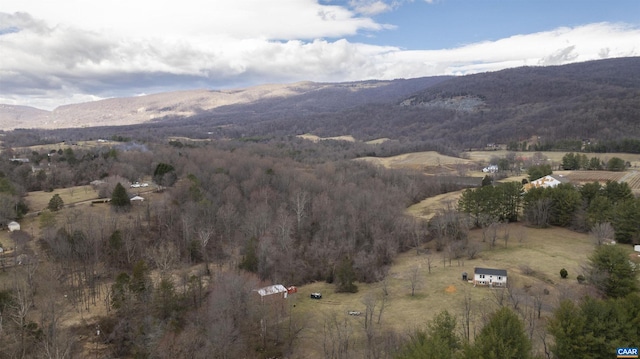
(491, 271)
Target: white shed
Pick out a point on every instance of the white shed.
(13, 226)
(636, 248)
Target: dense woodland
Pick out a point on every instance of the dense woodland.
(255, 205)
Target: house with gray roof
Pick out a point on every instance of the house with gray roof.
(490, 277)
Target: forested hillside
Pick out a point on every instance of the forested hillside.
(597, 101)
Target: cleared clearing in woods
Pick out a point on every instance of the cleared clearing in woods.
(532, 257)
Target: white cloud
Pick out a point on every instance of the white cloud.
(50, 56)
(200, 20)
(372, 7)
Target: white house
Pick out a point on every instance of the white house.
(277, 290)
(137, 199)
(545, 182)
(490, 169)
(490, 277)
(13, 226)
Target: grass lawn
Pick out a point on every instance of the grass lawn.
(39, 200)
(544, 251)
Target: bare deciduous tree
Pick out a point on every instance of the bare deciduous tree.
(337, 337)
(414, 279)
(602, 232)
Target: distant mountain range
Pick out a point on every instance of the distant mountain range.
(595, 100)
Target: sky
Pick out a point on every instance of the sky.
(68, 51)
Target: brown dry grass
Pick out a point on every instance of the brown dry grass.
(428, 207)
(545, 251)
(38, 200)
(315, 138)
(417, 160)
(64, 145)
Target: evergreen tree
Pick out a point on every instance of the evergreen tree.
(164, 174)
(565, 201)
(55, 203)
(503, 337)
(625, 221)
(612, 272)
(120, 198)
(345, 276)
(439, 341)
(616, 164)
(595, 328)
(538, 171)
(617, 191)
(568, 328)
(250, 258)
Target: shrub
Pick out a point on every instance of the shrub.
(580, 278)
(527, 270)
(564, 273)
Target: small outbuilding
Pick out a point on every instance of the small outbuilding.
(273, 291)
(137, 199)
(13, 226)
(490, 277)
(273, 297)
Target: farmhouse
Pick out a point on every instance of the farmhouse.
(490, 277)
(545, 182)
(490, 169)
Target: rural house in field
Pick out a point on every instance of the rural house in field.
(490, 169)
(490, 277)
(545, 182)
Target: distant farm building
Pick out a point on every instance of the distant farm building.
(137, 199)
(549, 181)
(19, 160)
(273, 291)
(273, 297)
(490, 169)
(490, 277)
(13, 226)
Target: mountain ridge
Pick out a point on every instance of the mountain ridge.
(597, 100)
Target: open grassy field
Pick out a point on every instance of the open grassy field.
(38, 200)
(315, 138)
(416, 160)
(532, 257)
(63, 145)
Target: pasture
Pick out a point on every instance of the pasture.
(532, 257)
(38, 200)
